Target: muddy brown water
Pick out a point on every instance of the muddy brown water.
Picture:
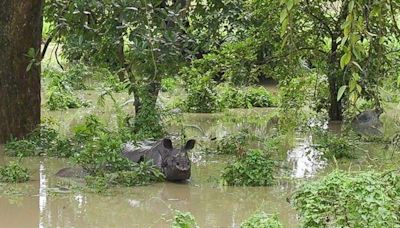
(39, 202)
(47, 201)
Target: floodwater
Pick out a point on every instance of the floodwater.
(49, 201)
(46, 201)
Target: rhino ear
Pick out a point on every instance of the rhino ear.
(167, 143)
(190, 144)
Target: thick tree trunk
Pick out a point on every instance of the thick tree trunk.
(335, 108)
(147, 96)
(20, 30)
(335, 80)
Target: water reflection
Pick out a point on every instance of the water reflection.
(42, 194)
(306, 160)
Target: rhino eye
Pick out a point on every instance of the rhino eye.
(177, 163)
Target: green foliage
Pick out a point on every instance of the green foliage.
(44, 140)
(201, 92)
(169, 84)
(59, 99)
(148, 123)
(333, 145)
(143, 173)
(92, 127)
(252, 169)
(137, 175)
(262, 220)
(235, 144)
(103, 154)
(184, 220)
(232, 97)
(14, 173)
(235, 62)
(341, 199)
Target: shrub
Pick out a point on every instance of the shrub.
(234, 144)
(368, 199)
(184, 220)
(333, 145)
(143, 173)
(14, 173)
(62, 99)
(232, 97)
(103, 154)
(202, 96)
(90, 128)
(43, 140)
(262, 220)
(135, 175)
(253, 169)
(169, 84)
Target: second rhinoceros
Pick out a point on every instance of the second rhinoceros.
(173, 162)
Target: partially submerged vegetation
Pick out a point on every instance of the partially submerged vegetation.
(331, 61)
(262, 220)
(341, 199)
(254, 168)
(14, 172)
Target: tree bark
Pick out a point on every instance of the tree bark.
(20, 30)
(335, 82)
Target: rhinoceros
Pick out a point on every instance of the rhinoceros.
(368, 123)
(173, 162)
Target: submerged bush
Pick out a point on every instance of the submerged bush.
(184, 220)
(334, 145)
(60, 88)
(44, 140)
(135, 175)
(61, 99)
(202, 96)
(262, 220)
(35, 144)
(233, 97)
(369, 199)
(236, 143)
(14, 173)
(103, 154)
(255, 168)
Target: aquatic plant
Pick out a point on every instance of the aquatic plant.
(333, 145)
(44, 140)
(244, 97)
(236, 143)
(254, 168)
(184, 220)
(341, 199)
(14, 173)
(262, 220)
(102, 154)
(201, 93)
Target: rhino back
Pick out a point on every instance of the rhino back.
(72, 172)
(153, 153)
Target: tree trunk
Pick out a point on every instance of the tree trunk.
(20, 30)
(147, 97)
(335, 108)
(335, 82)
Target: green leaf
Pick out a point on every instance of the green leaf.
(284, 14)
(351, 6)
(341, 92)
(345, 60)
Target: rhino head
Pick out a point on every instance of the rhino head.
(175, 161)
